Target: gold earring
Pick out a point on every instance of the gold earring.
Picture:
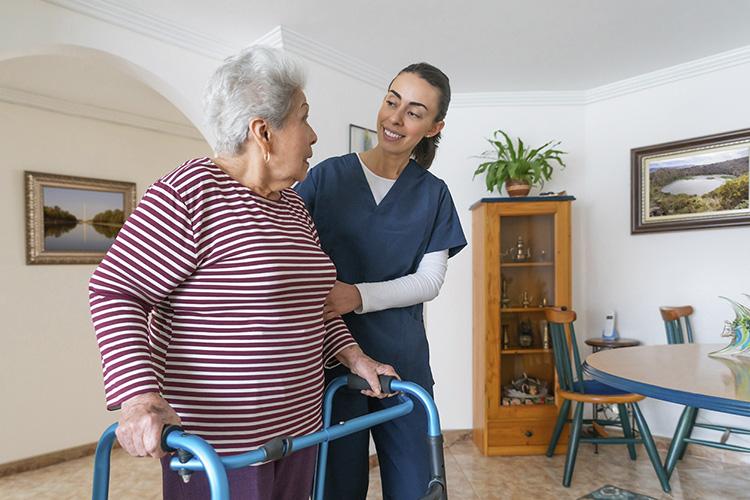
(267, 156)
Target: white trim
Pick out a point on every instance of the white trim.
(327, 56)
(670, 74)
(166, 31)
(81, 110)
(142, 22)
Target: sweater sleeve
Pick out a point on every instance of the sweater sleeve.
(153, 253)
(421, 286)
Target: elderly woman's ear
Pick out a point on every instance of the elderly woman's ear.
(258, 131)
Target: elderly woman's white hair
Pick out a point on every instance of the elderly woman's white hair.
(258, 82)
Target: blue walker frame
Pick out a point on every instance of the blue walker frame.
(195, 454)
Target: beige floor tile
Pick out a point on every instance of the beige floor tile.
(470, 477)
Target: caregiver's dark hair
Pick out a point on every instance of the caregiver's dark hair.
(424, 152)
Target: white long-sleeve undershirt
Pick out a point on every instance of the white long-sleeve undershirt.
(421, 286)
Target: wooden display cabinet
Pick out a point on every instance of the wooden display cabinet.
(537, 273)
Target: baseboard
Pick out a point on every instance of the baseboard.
(46, 459)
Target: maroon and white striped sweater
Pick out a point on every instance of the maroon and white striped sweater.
(213, 296)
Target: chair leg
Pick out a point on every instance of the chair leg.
(562, 417)
(622, 410)
(648, 442)
(575, 437)
(689, 432)
(678, 445)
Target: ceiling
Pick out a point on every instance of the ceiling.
(490, 45)
(487, 46)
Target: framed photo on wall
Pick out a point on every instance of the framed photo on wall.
(691, 184)
(361, 139)
(73, 220)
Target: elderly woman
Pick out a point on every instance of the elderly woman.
(208, 308)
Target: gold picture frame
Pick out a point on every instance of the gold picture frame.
(73, 220)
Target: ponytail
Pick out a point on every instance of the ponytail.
(425, 150)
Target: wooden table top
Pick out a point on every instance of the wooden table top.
(680, 373)
(612, 344)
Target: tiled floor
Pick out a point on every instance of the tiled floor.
(470, 476)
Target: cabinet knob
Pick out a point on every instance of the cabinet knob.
(528, 434)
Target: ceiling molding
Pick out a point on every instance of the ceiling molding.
(671, 74)
(81, 110)
(531, 98)
(166, 31)
(142, 22)
(328, 56)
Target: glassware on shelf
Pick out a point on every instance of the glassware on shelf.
(525, 299)
(520, 252)
(504, 299)
(506, 338)
(545, 335)
(525, 334)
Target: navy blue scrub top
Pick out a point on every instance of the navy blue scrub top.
(369, 243)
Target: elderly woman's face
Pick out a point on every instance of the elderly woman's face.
(408, 113)
(293, 143)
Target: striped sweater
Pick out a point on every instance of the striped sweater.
(213, 296)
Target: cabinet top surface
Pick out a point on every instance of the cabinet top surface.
(522, 199)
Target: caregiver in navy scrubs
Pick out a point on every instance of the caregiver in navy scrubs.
(389, 226)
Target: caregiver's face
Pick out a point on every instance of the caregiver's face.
(408, 113)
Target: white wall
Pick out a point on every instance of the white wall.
(635, 274)
(449, 316)
(50, 373)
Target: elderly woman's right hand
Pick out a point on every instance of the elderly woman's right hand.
(141, 422)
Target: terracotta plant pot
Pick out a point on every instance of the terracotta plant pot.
(517, 188)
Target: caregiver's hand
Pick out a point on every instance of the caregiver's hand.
(363, 365)
(141, 422)
(343, 298)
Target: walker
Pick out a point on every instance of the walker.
(195, 454)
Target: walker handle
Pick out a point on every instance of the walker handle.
(359, 384)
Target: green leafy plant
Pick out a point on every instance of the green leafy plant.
(509, 161)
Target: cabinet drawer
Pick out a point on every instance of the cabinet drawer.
(520, 432)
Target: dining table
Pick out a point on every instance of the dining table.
(685, 374)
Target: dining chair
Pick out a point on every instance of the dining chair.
(573, 388)
(680, 331)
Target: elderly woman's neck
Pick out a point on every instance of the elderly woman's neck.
(250, 173)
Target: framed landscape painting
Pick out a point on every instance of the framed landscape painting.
(691, 184)
(73, 220)
(361, 139)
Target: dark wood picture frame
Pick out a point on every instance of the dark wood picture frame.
(670, 211)
(102, 223)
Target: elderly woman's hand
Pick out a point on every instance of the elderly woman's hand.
(343, 298)
(141, 422)
(363, 365)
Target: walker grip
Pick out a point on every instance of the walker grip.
(357, 383)
(165, 431)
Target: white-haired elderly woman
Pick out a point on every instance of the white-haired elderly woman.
(208, 307)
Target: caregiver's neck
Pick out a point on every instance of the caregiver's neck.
(384, 164)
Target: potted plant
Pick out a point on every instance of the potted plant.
(518, 166)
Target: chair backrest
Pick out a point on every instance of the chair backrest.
(565, 349)
(677, 324)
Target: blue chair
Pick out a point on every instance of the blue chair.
(573, 387)
(679, 331)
